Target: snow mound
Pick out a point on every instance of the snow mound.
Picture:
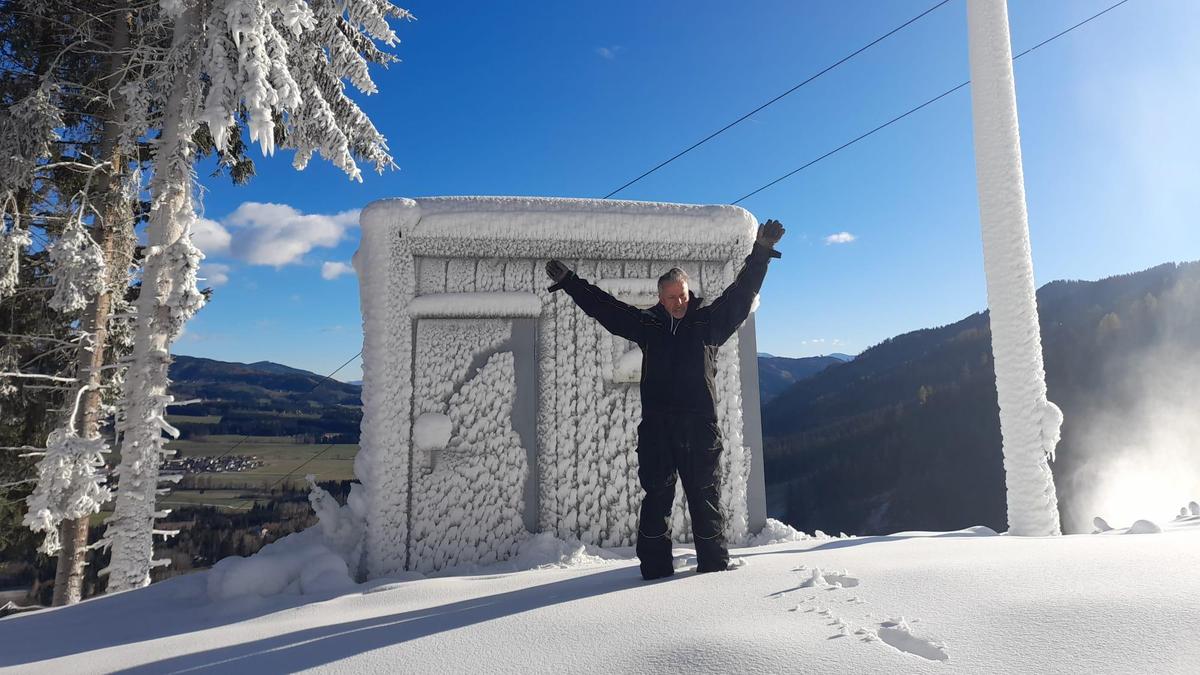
(1143, 527)
(298, 564)
(776, 532)
(819, 578)
(1189, 517)
(317, 560)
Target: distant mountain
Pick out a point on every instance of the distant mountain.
(277, 368)
(842, 357)
(264, 398)
(906, 436)
(777, 373)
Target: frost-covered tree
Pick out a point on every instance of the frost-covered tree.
(279, 67)
(68, 180)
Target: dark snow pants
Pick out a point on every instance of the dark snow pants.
(687, 446)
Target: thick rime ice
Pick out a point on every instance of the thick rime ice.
(1029, 423)
(448, 305)
(776, 532)
(12, 243)
(168, 276)
(493, 407)
(466, 503)
(69, 486)
(78, 267)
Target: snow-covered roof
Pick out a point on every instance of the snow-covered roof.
(548, 226)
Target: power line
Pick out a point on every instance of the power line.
(919, 107)
(289, 474)
(311, 458)
(743, 118)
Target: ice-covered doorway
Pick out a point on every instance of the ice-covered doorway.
(493, 408)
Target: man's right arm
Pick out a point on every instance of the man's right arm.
(617, 317)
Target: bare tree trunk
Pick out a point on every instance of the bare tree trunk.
(116, 244)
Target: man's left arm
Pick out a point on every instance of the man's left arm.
(728, 312)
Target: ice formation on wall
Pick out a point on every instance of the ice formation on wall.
(467, 498)
(454, 303)
(1029, 423)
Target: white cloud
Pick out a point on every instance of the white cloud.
(278, 234)
(840, 238)
(333, 269)
(609, 53)
(215, 274)
(210, 236)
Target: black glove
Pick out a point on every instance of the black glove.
(557, 271)
(769, 233)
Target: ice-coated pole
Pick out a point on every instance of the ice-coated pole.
(1029, 422)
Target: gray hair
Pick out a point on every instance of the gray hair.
(673, 274)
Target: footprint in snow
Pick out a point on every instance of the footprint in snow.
(897, 634)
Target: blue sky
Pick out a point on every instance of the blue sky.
(573, 99)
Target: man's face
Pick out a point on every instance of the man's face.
(673, 295)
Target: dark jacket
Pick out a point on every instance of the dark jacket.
(679, 358)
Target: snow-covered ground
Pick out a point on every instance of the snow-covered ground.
(908, 603)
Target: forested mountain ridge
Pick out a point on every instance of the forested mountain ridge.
(777, 373)
(907, 436)
(263, 399)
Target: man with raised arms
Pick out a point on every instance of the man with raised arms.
(678, 435)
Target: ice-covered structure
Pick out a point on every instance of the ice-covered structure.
(1030, 423)
(493, 407)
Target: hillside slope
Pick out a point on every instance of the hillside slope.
(907, 435)
(911, 603)
(777, 373)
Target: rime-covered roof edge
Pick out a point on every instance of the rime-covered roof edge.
(562, 219)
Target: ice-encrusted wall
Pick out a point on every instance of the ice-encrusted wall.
(468, 464)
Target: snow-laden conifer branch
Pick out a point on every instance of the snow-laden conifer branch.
(38, 376)
(276, 68)
(69, 485)
(78, 266)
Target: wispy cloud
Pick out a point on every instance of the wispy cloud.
(271, 234)
(215, 274)
(210, 236)
(840, 238)
(609, 53)
(278, 234)
(333, 269)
